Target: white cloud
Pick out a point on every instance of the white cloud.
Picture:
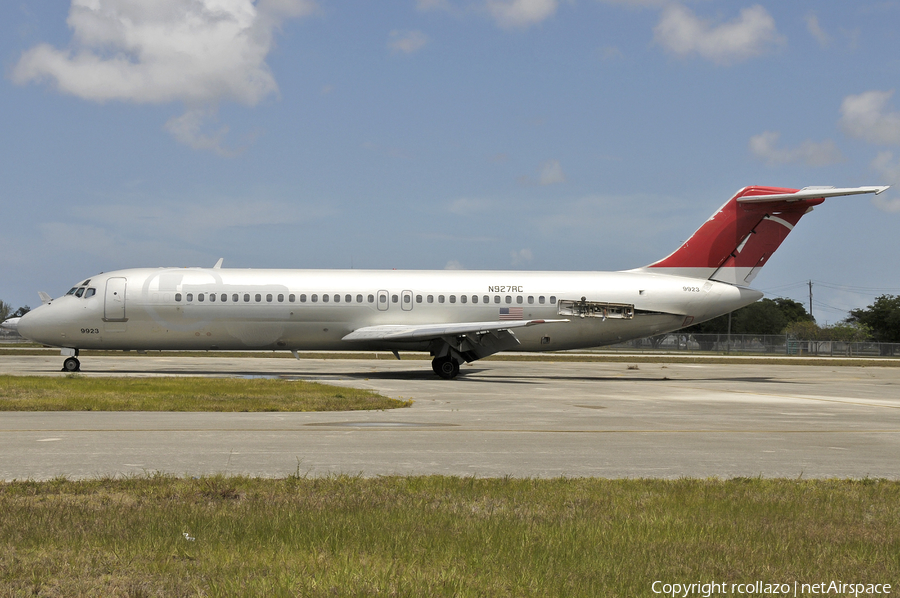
(454, 265)
(551, 173)
(511, 14)
(751, 34)
(763, 146)
(407, 42)
(864, 116)
(889, 169)
(199, 52)
(812, 25)
(521, 257)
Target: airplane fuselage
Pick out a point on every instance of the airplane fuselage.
(234, 309)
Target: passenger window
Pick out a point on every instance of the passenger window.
(407, 299)
(79, 293)
(314, 298)
(541, 299)
(200, 297)
(508, 299)
(246, 297)
(382, 298)
(324, 298)
(348, 298)
(452, 298)
(496, 298)
(337, 298)
(418, 298)
(177, 297)
(258, 297)
(394, 298)
(530, 299)
(430, 299)
(269, 297)
(440, 298)
(234, 297)
(224, 297)
(212, 297)
(462, 299)
(190, 297)
(486, 299)
(474, 298)
(292, 298)
(302, 297)
(519, 299)
(359, 299)
(552, 300)
(371, 298)
(90, 293)
(280, 298)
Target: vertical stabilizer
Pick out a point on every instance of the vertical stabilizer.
(738, 240)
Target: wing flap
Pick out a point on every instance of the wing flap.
(418, 332)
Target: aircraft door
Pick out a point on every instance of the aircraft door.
(114, 304)
(383, 301)
(406, 300)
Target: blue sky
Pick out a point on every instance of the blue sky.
(482, 134)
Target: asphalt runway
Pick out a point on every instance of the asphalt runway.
(522, 419)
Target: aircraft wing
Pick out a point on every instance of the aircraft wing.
(418, 332)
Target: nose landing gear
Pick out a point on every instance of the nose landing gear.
(71, 364)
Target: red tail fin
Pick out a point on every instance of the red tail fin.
(741, 236)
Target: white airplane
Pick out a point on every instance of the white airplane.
(456, 315)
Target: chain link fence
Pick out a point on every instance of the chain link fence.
(777, 344)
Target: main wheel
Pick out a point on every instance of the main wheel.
(445, 367)
(71, 365)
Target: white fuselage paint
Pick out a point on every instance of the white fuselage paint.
(150, 316)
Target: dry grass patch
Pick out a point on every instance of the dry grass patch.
(78, 393)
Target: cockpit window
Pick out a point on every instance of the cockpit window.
(90, 293)
(72, 291)
(85, 283)
(79, 292)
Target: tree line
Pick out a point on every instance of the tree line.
(878, 322)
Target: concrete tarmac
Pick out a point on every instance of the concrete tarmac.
(523, 419)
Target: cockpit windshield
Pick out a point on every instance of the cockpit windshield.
(72, 291)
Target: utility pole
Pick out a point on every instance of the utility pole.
(810, 299)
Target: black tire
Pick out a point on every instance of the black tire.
(445, 367)
(71, 365)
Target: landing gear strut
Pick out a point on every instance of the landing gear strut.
(446, 367)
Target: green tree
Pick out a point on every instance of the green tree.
(882, 318)
(5, 309)
(765, 317)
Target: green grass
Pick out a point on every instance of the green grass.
(438, 536)
(79, 393)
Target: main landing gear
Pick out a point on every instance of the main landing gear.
(71, 364)
(446, 367)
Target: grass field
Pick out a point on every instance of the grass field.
(79, 393)
(438, 536)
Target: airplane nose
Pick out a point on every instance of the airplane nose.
(10, 324)
(24, 326)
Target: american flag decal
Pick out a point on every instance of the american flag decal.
(511, 313)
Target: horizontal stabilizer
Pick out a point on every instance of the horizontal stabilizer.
(812, 193)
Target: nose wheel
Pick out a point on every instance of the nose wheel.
(446, 367)
(71, 365)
